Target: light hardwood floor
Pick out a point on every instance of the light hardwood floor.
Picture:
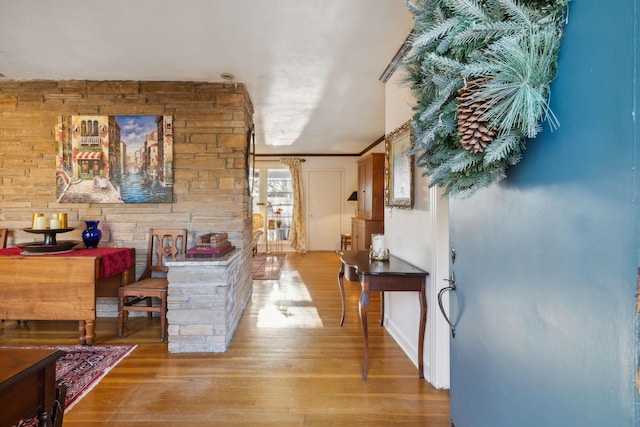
(289, 363)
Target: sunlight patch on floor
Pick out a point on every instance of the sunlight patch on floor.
(289, 292)
(288, 305)
(289, 317)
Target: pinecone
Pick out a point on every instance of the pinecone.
(475, 132)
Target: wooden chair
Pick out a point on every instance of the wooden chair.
(345, 241)
(4, 234)
(163, 245)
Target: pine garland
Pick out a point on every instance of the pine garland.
(483, 68)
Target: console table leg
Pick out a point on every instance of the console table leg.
(341, 286)
(364, 308)
(422, 296)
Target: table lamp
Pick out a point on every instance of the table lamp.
(354, 198)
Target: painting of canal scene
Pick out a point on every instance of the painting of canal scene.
(114, 159)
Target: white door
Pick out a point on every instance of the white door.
(324, 201)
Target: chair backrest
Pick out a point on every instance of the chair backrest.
(258, 221)
(4, 233)
(256, 236)
(164, 244)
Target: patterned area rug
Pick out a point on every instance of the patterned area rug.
(82, 368)
(267, 266)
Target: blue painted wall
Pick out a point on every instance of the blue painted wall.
(547, 260)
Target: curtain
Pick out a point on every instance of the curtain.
(297, 235)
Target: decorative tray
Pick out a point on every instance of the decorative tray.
(41, 248)
(48, 230)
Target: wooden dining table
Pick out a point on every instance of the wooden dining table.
(62, 286)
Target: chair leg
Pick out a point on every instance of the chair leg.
(149, 304)
(121, 324)
(163, 318)
(163, 326)
(121, 314)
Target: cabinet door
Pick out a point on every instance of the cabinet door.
(361, 231)
(364, 188)
(371, 186)
(376, 185)
(357, 234)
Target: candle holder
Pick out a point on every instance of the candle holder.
(49, 234)
(377, 251)
(379, 255)
(50, 244)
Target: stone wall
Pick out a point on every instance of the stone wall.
(211, 122)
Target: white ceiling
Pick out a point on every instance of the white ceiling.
(311, 67)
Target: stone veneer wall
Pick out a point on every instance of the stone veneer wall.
(205, 301)
(211, 122)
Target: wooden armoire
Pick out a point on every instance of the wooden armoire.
(370, 213)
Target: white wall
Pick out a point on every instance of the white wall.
(420, 237)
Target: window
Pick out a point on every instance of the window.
(273, 198)
(279, 203)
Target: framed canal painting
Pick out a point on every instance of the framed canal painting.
(114, 159)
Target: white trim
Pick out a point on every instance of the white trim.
(439, 345)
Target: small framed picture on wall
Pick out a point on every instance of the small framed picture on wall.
(399, 168)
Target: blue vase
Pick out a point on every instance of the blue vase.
(92, 235)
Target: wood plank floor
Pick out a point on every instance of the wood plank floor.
(289, 363)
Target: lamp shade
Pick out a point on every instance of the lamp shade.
(353, 197)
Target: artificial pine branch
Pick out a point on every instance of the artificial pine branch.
(519, 14)
(518, 92)
(441, 98)
(464, 160)
(445, 65)
(470, 8)
(434, 34)
(488, 31)
(501, 147)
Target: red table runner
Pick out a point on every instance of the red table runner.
(112, 260)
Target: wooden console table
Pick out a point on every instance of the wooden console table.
(61, 286)
(384, 276)
(28, 386)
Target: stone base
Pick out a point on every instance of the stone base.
(206, 300)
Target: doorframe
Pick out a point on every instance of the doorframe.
(439, 345)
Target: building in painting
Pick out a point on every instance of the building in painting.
(165, 151)
(89, 144)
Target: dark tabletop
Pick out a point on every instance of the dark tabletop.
(392, 267)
